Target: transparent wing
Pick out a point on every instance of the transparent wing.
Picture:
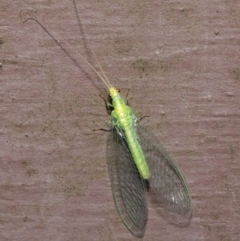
(166, 179)
(127, 185)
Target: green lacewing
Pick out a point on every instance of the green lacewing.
(137, 161)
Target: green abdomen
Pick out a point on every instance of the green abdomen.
(137, 152)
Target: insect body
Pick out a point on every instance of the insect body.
(136, 157)
(124, 119)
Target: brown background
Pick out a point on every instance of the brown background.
(180, 60)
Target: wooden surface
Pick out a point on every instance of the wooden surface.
(180, 60)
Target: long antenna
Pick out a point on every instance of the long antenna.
(103, 77)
